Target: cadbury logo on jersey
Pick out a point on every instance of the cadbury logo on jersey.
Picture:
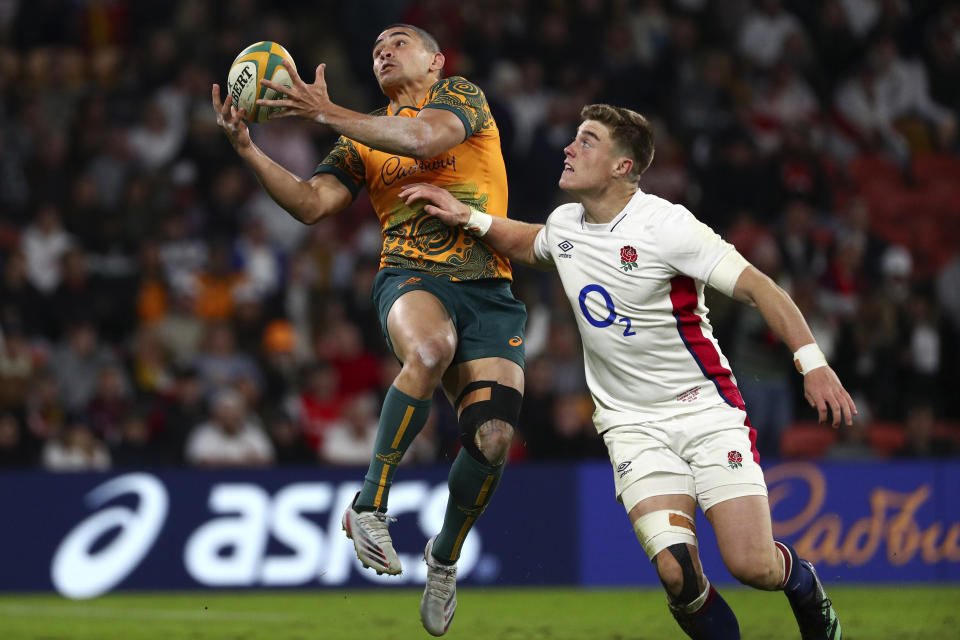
(392, 170)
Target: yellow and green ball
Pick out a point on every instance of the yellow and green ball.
(256, 62)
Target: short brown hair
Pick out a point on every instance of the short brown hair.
(629, 130)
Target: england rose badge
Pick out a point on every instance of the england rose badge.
(628, 258)
(734, 459)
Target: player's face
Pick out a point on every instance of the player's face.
(589, 160)
(399, 56)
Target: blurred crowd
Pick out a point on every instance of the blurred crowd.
(157, 308)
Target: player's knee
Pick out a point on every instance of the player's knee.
(668, 536)
(493, 438)
(755, 573)
(488, 413)
(430, 357)
(679, 574)
(669, 572)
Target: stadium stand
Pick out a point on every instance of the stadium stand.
(131, 241)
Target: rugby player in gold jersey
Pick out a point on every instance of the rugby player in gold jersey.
(443, 295)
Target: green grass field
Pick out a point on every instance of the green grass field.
(867, 613)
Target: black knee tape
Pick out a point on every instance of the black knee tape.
(691, 589)
(500, 403)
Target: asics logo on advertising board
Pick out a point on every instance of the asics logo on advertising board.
(233, 544)
(79, 569)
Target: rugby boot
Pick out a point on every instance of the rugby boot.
(371, 540)
(439, 601)
(815, 615)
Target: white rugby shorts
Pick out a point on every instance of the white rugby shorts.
(706, 455)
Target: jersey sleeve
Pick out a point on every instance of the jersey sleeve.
(724, 276)
(465, 100)
(541, 247)
(345, 162)
(689, 246)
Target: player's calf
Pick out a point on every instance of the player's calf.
(488, 412)
(708, 617)
(669, 538)
(808, 599)
(701, 612)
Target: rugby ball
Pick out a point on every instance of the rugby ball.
(256, 62)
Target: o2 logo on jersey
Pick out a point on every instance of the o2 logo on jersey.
(602, 323)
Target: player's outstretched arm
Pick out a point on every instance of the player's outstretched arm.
(512, 238)
(428, 135)
(306, 200)
(821, 386)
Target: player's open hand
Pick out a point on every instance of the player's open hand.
(441, 203)
(307, 101)
(823, 391)
(230, 119)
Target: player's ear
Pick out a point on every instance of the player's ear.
(623, 167)
(437, 63)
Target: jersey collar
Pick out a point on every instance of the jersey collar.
(400, 110)
(408, 107)
(608, 226)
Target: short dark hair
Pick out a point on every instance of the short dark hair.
(429, 42)
(629, 130)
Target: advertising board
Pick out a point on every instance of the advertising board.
(84, 535)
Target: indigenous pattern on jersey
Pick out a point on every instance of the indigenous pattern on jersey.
(636, 288)
(473, 172)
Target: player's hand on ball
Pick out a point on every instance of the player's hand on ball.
(442, 204)
(823, 391)
(307, 101)
(230, 119)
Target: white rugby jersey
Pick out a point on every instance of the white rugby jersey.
(636, 288)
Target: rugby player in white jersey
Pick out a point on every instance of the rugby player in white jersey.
(634, 267)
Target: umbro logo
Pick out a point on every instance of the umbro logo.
(624, 468)
(565, 247)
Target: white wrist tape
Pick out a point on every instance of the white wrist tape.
(479, 222)
(809, 357)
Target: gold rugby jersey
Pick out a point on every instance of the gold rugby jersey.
(473, 171)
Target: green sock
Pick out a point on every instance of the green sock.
(401, 420)
(472, 484)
